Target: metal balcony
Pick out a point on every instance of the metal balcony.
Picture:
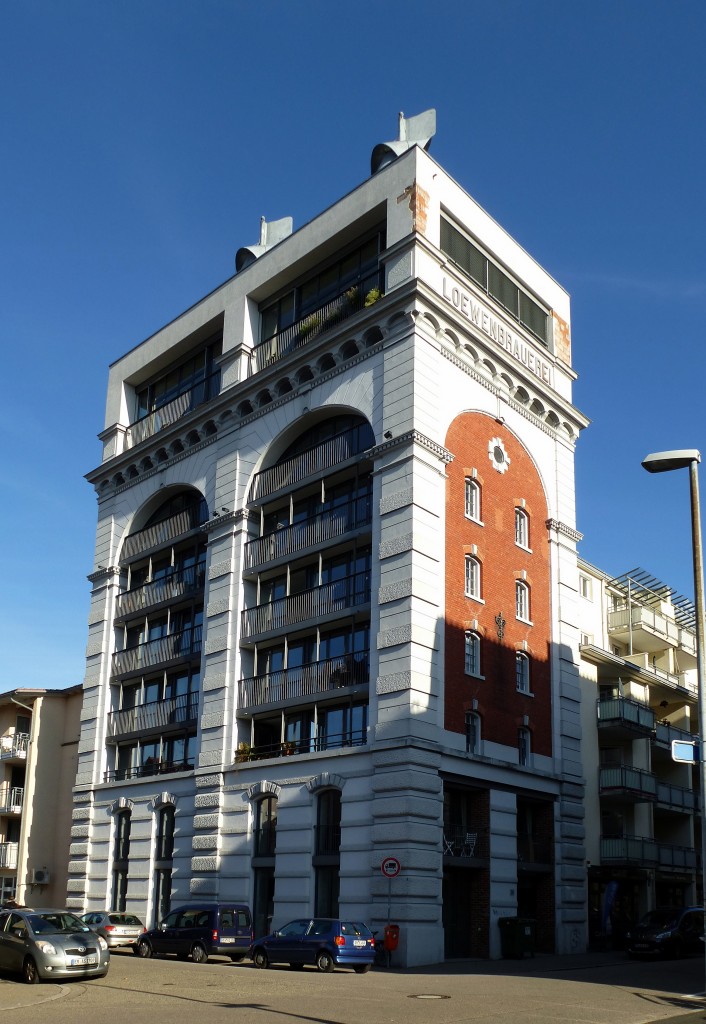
(680, 858)
(14, 747)
(303, 681)
(311, 533)
(327, 599)
(665, 733)
(677, 798)
(173, 411)
(320, 320)
(625, 714)
(626, 849)
(164, 532)
(318, 459)
(655, 630)
(148, 769)
(467, 842)
(624, 780)
(157, 716)
(8, 855)
(167, 588)
(11, 799)
(264, 841)
(327, 840)
(175, 647)
(290, 748)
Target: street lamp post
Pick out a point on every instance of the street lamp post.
(663, 462)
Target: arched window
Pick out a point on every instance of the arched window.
(472, 499)
(163, 857)
(472, 577)
(522, 670)
(471, 661)
(265, 827)
(521, 528)
(165, 833)
(522, 601)
(327, 856)
(472, 732)
(524, 746)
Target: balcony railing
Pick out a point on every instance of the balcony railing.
(8, 855)
(148, 769)
(678, 857)
(641, 617)
(465, 841)
(14, 746)
(317, 677)
(624, 711)
(677, 797)
(328, 599)
(166, 588)
(11, 799)
(170, 412)
(155, 716)
(330, 741)
(624, 778)
(309, 534)
(164, 532)
(665, 733)
(628, 850)
(327, 840)
(323, 456)
(644, 661)
(330, 314)
(175, 647)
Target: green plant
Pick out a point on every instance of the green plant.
(352, 295)
(372, 297)
(308, 325)
(243, 753)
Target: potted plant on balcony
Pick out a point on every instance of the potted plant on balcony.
(373, 296)
(243, 753)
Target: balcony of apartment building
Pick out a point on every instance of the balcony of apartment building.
(348, 673)
(172, 585)
(640, 851)
(293, 731)
(172, 407)
(466, 844)
(325, 602)
(327, 309)
(648, 617)
(172, 714)
(8, 855)
(179, 646)
(623, 781)
(618, 715)
(11, 799)
(169, 530)
(13, 747)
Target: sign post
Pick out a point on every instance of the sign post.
(390, 868)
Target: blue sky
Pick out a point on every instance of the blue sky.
(143, 140)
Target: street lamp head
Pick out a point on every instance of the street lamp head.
(662, 462)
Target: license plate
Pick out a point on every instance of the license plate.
(82, 961)
(225, 940)
(359, 942)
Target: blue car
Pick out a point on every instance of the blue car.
(323, 942)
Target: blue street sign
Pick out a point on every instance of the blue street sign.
(686, 751)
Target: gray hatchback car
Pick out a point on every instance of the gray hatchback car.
(116, 927)
(45, 944)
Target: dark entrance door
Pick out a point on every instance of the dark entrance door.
(457, 916)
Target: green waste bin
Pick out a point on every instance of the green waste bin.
(516, 937)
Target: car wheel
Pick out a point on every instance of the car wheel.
(324, 961)
(259, 958)
(144, 949)
(30, 974)
(199, 954)
(362, 968)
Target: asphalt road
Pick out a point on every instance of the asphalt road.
(591, 989)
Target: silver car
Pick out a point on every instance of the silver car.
(45, 944)
(117, 928)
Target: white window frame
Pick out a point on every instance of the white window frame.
(585, 587)
(472, 577)
(522, 529)
(522, 601)
(472, 499)
(524, 747)
(522, 674)
(471, 653)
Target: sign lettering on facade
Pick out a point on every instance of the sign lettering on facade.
(483, 319)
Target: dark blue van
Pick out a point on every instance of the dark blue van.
(200, 930)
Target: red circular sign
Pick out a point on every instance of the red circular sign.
(390, 867)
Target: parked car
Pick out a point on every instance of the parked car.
(45, 944)
(323, 942)
(200, 930)
(118, 929)
(668, 931)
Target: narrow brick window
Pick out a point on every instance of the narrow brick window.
(522, 601)
(472, 499)
(472, 654)
(472, 582)
(521, 528)
(472, 732)
(522, 669)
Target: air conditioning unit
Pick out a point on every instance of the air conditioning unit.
(40, 876)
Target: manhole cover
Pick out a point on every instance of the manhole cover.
(428, 995)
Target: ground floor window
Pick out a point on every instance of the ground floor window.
(8, 888)
(119, 896)
(264, 900)
(327, 887)
(162, 893)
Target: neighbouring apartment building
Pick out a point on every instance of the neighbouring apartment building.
(39, 734)
(334, 615)
(639, 694)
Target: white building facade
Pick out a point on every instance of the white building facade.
(334, 610)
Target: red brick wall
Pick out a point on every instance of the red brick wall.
(500, 706)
